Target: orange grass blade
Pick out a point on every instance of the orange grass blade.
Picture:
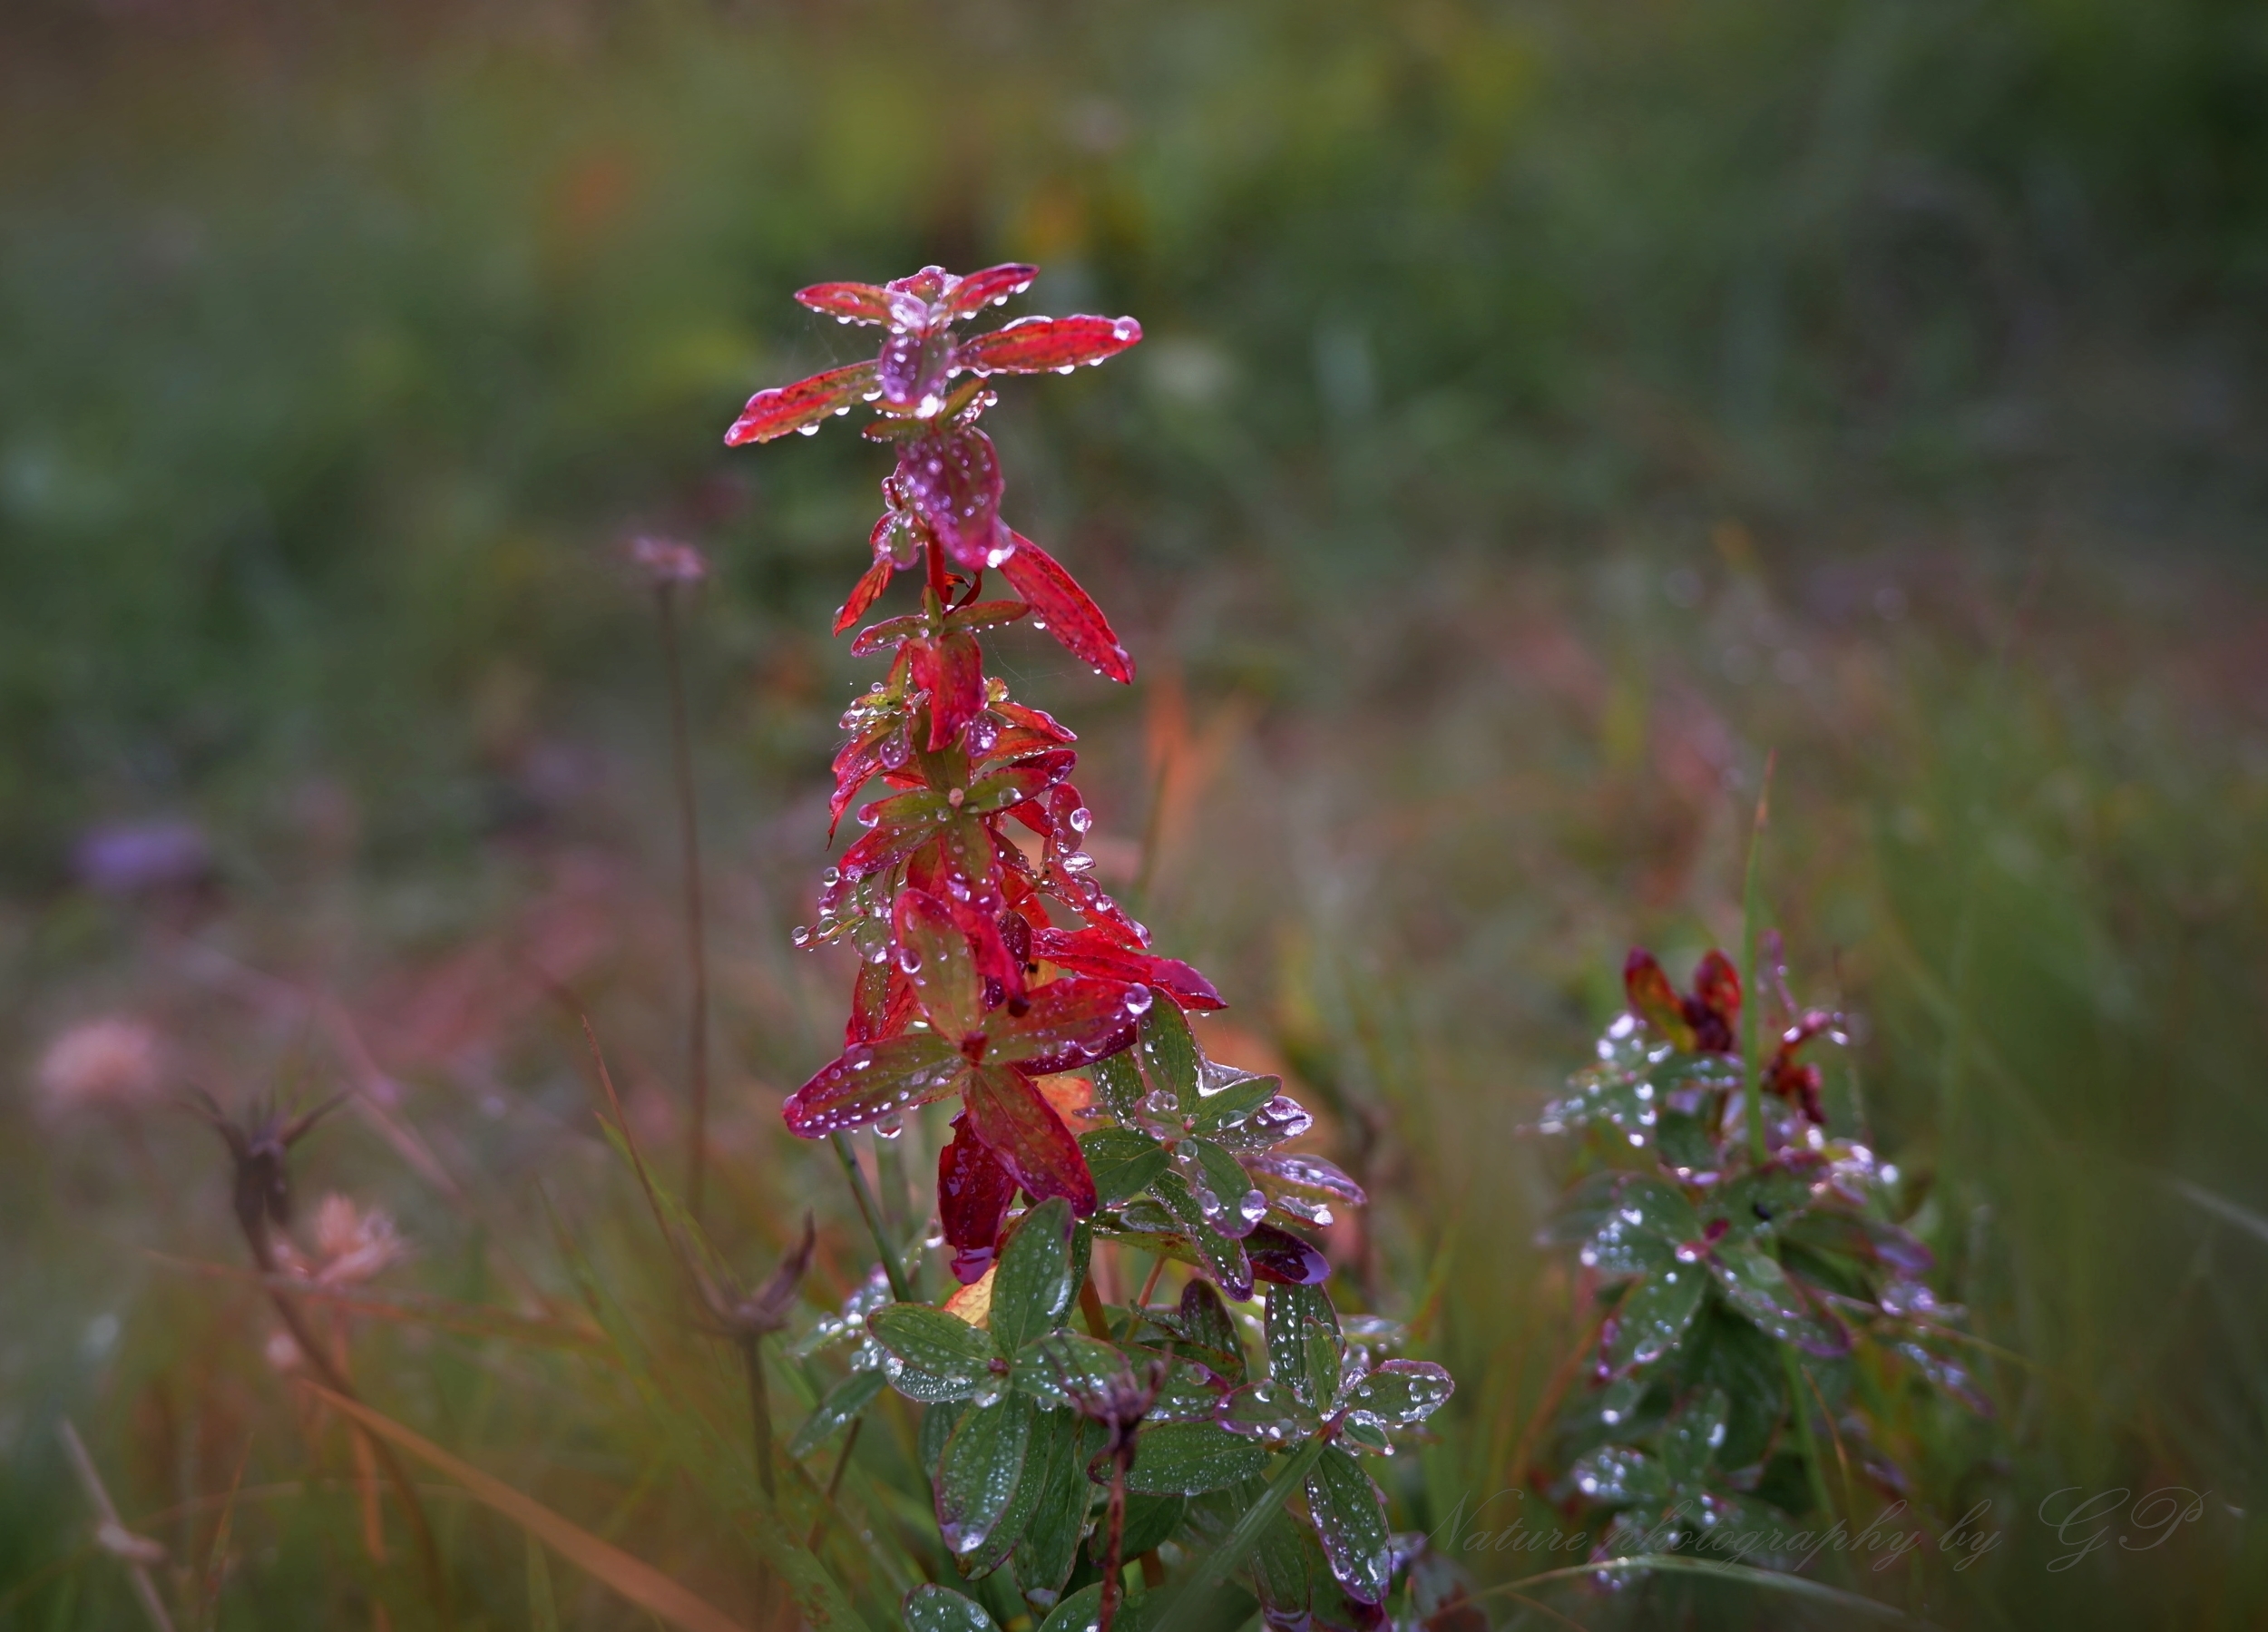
(633, 1578)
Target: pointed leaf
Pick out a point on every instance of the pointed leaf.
(1351, 1522)
(1188, 1458)
(1190, 1392)
(1125, 1162)
(1768, 1199)
(1399, 1393)
(865, 593)
(1756, 1286)
(1170, 1056)
(1049, 1551)
(935, 956)
(1034, 1285)
(950, 668)
(945, 1356)
(1655, 1316)
(1093, 953)
(1306, 1186)
(871, 1080)
(845, 1403)
(1305, 1344)
(1039, 345)
(976, 1477)
(1716, 987)
(930, 1607)
(1282, 1259)
(802, 406)
(1280, 1119)
(859, 302)
(1060, 1368)
(1653, 1000)
(1117, 1082)
(1231, 1202)
(1691, 1437)
(973, 1193)
(1618, 1476)
(1201, 1321)
(1221, 1255)
(1013, 783)
(1021, 1128)
(1068, 613)
(1268, 1411)
(972, 293)
(1642, 1230)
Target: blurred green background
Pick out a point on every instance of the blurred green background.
(1547, 411)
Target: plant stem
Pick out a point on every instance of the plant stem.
(759, 1414)
(864, 1193)
(1751, 995)
(91, 1481)
(1241, 1540)
(835, 1483)
(696, 940)
(1114, 1555)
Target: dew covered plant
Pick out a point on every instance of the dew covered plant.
(1151, 1457)
(1764, 1318)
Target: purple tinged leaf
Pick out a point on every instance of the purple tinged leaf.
(1069, 614)
(912, 371)
(859, 302)
(1282, 1259)
(1047, 345)
(976, 1477)
(951, 479)
(971, 295)
(1350, 1518)
(802, 406)
(871, 1080)
(1267, 1412)
(1653, 1315)
(1399, 1393)
(973, 1192)
(1756, 1285)
(1070, 1023)
(1305, 1187)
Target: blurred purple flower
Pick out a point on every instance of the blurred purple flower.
(123, 858)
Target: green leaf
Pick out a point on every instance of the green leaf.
(1304, 1344)
(1057, 1478)
(1118, 1085)
(1691, 1438)
(1023, 1506)
(1190, 1392)
(1684, 1144)
(937, 1425)
(933, 1609)
(976, 1477)
(1655, 1314)
(944, 1357)
(1240, 1095)
(845, 1403)
(1642, 1228)
(1220, 1255)
(1124, 1160)
(1758, 1203)
(1351, 1522)
(1756, 1286)
(1169, 1055)
(1032, 1286)
(1186, 1459)
(1150, 1521)
(1080, 1612)
(1399, 1393)
(1236, 1203)
(1618, 1476)
(1269, 1412)
(1205, 1332)
(1054, 1367)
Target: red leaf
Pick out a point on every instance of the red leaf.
(1071, 616)
(951, 479)
(859, 302)
(871, 1080)
(1282, 1257)
(973, 1190)
(1071, 1023)
(1653, 1000)
(802, 406)
(978, 290)
(952, 669)
(855, 764)
(882, 1001)
(1716, 988)
(913, 369)
(1035, 345)
(864, 593)
(888, 632)
(1094, 951)
(935, 956)
(1011, 1119)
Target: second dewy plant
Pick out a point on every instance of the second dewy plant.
(999, 976)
